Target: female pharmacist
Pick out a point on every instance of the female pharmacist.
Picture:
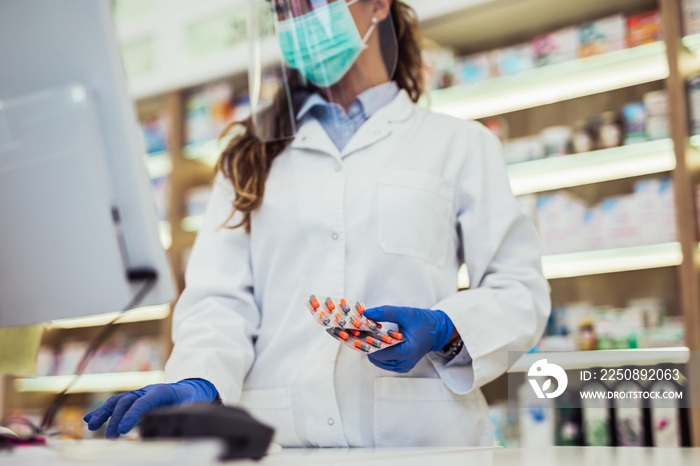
(341, 185)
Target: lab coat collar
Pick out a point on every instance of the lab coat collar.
(399, 109)
(311, 135)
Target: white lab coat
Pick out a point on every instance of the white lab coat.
(387, 220)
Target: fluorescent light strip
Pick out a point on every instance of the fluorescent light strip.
(165, 233)
(427, 10)
(89, 383)
(695, 141)
(205, 151)
(192, 224)
(158, 164)
(141, 314)
(463, 277)
(592, 167)
(208, 151)
(692, 43)
(574, 360)
(554, 83)
(612, 260)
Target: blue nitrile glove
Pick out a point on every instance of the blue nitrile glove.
(127, 408)
(425, 331)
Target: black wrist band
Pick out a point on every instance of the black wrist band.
(453, 348)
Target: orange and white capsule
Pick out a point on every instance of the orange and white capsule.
(344, 306)
(339, 319)
(360, 308)
(325, 320)
(362, 345)
(373, 342)
(314, 302)
(355, 333)
(356, 323)
(371, 324)
(329, 304)
(341, 333)
(395, 335)
(386, 338)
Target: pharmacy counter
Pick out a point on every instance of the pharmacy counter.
(102, 452)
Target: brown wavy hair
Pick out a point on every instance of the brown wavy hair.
(247, 159)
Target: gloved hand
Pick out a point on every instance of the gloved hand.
(127, 408)
(425, 331)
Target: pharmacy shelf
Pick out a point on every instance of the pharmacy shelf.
(695, 141)
(428, 10)
(576, 360)
(158, 164)
(592, 167)
(141, 314)
(462, 277)
(192, 224)
(89, 383)
(554, 83)
(486, 24)
(165, 234)
(579, 264)
(207, 151)
(612, 260)
(692, 43)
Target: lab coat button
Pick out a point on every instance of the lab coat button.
(335, 236)
(330, 421)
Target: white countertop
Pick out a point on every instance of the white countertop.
(102, 452)
(554, 456)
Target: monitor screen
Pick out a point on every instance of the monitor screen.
(77, 215)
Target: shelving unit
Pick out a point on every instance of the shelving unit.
(692, 43)
(192, 224)
(158, 164)
(553, 83)
(592, 167)
(577, 360)
(142, 314)
(579, 264)
(206, 152)
(685, 177)
(89, 383)
(601, 81)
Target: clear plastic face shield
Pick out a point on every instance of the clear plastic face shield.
(334, 48)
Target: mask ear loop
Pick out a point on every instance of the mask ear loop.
(371, 29)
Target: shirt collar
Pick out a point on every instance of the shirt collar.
(377, 97)
(371, 99)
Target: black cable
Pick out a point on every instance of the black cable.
(106, 332)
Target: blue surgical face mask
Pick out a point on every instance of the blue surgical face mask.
(322, 44)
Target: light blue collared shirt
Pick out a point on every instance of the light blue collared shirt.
(341, 126)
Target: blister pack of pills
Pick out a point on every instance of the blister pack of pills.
(344, 321)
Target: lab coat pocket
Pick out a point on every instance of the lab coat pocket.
(273, 406)
(413, 412)
(415, 212)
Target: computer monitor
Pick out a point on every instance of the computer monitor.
(77, 215)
